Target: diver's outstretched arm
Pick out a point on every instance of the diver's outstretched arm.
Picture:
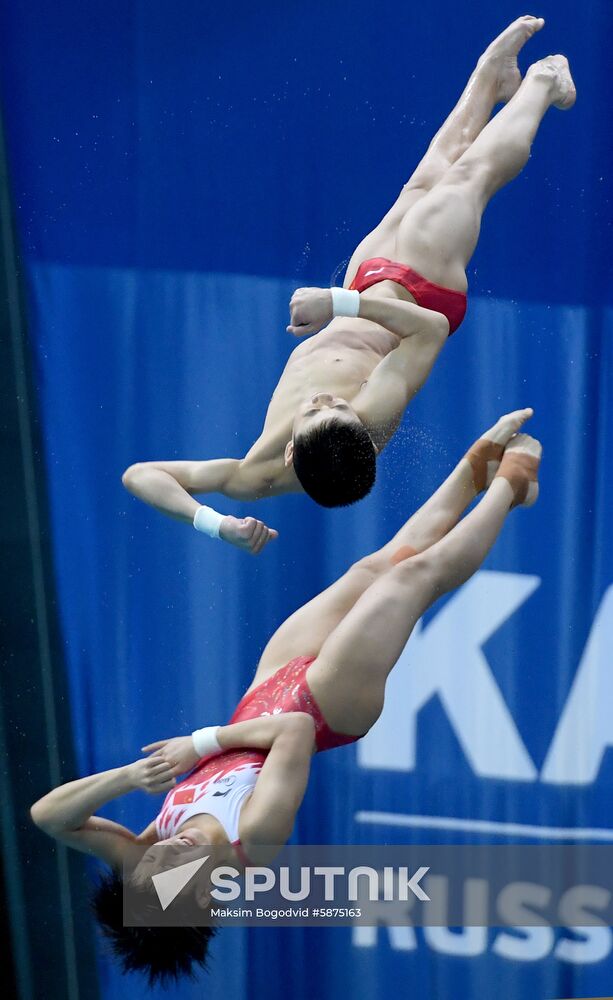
(168, 486)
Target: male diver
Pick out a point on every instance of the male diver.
(343, 391)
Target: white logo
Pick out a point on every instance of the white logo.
(415, 887)
(458, 672)
(168, 884)
(378, 271)
(445, 658)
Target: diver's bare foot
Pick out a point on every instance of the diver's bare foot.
(246, 533)
(556, 70)
(508, 425)
(519, 466)
(502, 54)
(485, 454)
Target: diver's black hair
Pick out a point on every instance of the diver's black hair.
(336, 462)
(163, 954)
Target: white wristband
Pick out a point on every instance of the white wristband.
(345, 302)
(208, 521)
(205, 740)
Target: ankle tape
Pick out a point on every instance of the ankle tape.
(519, 469)
(480, 455)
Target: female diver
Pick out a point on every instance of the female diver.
(319, 684)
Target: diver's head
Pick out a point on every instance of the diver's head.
(184, 846)
(163, 954)
(332, 453)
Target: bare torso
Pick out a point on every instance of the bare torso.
(338, 360)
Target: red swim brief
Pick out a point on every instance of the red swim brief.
(426, 293)
(287, 690)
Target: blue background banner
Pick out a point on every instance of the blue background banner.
(177, 171)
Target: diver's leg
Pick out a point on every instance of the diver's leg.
(304, 632)
(495, 78)
(439, 235)
(349, 675)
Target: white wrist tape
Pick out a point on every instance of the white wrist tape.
(208, 521)
(345, 302)
(205, 740)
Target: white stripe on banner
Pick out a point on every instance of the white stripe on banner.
(485, 826)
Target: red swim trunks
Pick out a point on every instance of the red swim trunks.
(288, 691)
(426, 293)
